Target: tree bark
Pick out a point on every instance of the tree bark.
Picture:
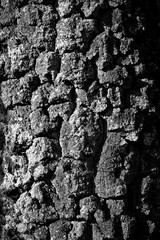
(79, 120)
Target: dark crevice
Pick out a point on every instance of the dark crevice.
(100, 147)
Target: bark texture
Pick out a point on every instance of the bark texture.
(79, 120)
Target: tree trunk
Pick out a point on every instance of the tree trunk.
(79, 120)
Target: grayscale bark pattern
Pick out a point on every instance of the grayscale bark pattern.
(79, 120)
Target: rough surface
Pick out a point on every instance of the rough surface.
(79, 120)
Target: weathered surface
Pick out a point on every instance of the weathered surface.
(79, 120)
